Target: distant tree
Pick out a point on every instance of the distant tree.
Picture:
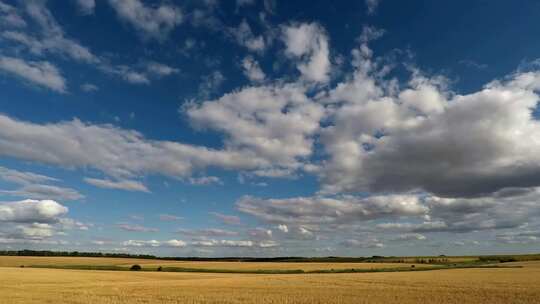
(135, 267)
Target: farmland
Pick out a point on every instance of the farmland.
(474, 285)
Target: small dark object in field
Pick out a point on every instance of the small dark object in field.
(22, 266)
(136, 267)
(159, 268)
(412, 266)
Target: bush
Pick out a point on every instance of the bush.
(135, 267)
(159, 268)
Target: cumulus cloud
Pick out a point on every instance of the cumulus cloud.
(275, 123)
(31, 211)
(152, 22)
(41, 73)
(425, 137)
(308, 43)
(128, 185)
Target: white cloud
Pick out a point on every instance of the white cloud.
(308, 42)
(22, 178)
(160, 69)
(273, 123)
(86, 7)
(41, 73)
(369, 243)
(317, 210)
(30, 211)
(38, 191)
(283, 228)
(98, 147)
(140, 243)
(175, 243)
(252, 70)
(35, 186)
(152, 22)
(52, 36)
(128, 185)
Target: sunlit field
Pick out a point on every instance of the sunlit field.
(16, 261)
(37, 285)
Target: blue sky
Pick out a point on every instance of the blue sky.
(270, 128)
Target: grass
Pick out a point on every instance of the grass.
(445, 286)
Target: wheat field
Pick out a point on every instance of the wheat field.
(16, 261)
(493, 286)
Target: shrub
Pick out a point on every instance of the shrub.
(135, 267)
(159, 268)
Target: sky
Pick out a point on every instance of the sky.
(270, 128)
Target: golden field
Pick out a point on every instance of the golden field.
(497, 285)
(16, 261)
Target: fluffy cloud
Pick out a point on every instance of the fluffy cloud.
(128, 185)
(98, 146)
(152, 22)
(427, 138)
(41, 73)
(308, 42)
(319, 210)
(275, 123)
(30, 211)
